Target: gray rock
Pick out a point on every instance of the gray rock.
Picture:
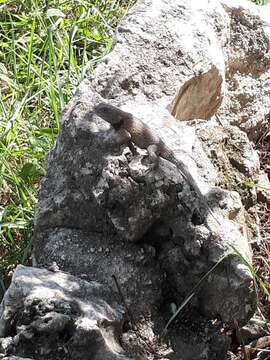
(129, 200)
(53, 315)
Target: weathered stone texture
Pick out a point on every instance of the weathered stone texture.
(197, 72)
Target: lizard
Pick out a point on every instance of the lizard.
(132, 130)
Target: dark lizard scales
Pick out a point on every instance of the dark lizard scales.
(132, 130)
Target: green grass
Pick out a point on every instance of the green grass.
(261, 2)
(46, 48)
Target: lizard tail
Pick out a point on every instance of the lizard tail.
(190, 180)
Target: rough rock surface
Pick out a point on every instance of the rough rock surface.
(111, 200)
(53, 315)
(247, 69)
(104, 211)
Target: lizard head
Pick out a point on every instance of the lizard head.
(110, 113)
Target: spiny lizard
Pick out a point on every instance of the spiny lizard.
(132, 130)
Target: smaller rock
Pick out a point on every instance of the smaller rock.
(54, 313)
(6, 344)
(263, 188)
(254, 329)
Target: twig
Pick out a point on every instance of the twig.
(128, 312)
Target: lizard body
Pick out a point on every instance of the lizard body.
(133, 130)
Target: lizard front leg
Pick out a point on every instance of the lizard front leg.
(153, 155)
(124, 137)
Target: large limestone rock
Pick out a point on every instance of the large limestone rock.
(184, 68)
(112, 214)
